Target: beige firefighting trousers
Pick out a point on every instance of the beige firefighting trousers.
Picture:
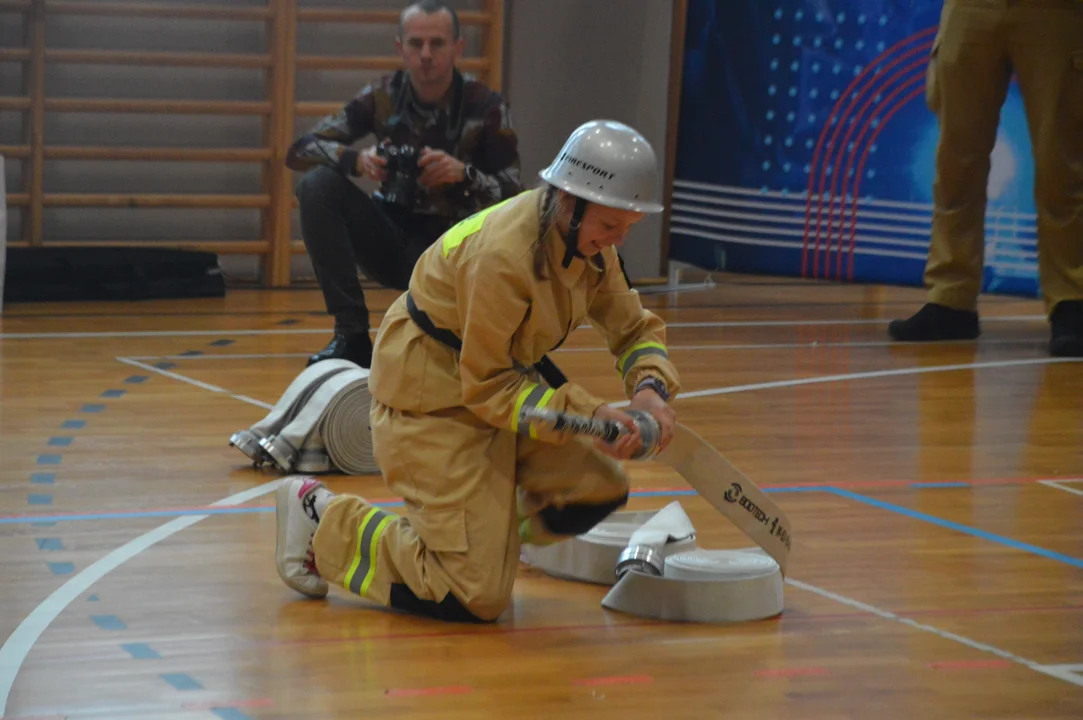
(979, 45)
(460, 533)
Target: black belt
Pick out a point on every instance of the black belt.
(545, 367)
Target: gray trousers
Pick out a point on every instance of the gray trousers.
(344, 229)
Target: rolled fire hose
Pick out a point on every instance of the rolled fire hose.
(320, 424)
(651, 560)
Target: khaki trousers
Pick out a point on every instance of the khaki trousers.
(472, 492)
(979, 45)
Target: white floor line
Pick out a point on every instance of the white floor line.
(695, 393)
(874, 374)
(810, 323)
(983, 647)
(1059, 486)
(814, 345)
(221, 356)
(17, 646)
(191, 381)
(1062, 673)
(252, 401)
(1074, 667)
(327, 331)
(144, 710)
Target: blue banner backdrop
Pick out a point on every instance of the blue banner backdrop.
(805, 147)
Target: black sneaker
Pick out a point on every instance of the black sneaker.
(936, 322)
(355, 347)
(1067, 325)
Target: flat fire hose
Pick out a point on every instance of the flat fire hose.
(651, 559)
(319, 425)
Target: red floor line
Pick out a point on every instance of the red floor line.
(481, 633)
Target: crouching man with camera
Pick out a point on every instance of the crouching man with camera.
(445, 148)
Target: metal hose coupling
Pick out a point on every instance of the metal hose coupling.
(280, 451)
(642, 558)
(650, 432)
(248, 442)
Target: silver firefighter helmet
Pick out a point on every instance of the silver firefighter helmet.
(609, 163)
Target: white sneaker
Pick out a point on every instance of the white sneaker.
(296, 563)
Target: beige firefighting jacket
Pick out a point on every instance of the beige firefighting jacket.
(478, 281)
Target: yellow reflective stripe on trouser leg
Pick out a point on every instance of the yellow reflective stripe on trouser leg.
(648, 348)
(532, 396)
(363, 567)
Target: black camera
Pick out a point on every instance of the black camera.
(400, 187)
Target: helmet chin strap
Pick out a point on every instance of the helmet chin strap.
(571, 242)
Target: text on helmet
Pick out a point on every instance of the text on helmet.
(565, 157)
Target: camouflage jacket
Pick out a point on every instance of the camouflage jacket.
(485, 142)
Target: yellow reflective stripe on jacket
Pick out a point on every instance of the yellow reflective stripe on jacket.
(363, 568)
(627, 360)
(534, 396)
(455, 235)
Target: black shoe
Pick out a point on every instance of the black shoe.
(1067, 323)
(355, 347)
(936, 322)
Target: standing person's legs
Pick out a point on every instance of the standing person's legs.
(1047, 51)
(344, 229)
(966, 84)
(452, 555)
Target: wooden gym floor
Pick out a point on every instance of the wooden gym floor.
(936, 494)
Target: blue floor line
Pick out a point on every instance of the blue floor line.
(141, 651)
(108, 622)
(248, 510)
(180, 681)
(958, 527)
(940, 485)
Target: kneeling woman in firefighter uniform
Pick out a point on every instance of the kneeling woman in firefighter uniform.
(457, 358)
